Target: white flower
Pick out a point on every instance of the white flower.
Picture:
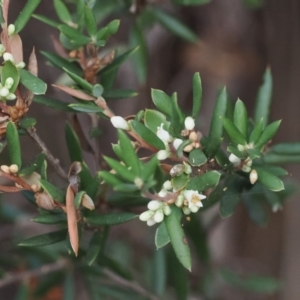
(234, 159)
(166, 210)
(163, 154)
(177, 143)
(11, 29)
(164, 135)
(119, 122)
(151, 222)
(139, 182)
(194, 199)
(253, 176)
(8, 57)
(167, 185)
(189, 123)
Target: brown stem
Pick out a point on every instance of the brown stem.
(170, 196)
(17, 180)
(54, 161)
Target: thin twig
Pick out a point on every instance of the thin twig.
(134, 286)
(54, 161)
(43, 270)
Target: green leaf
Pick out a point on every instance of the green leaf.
(1, 16)
(25, 14)
(263, 101)
(240, 117)
(236, 152)
(159, 270)
(85, 176)
(46, 20)
(277, 171)
(97, 90)
(147, 135)
(128, 154)
(110, 219)
(90, 22)
(273, 158)
(79, 80)
(10, 70)
(118, 94)
(175, 26)
(50, 218)
(269, 180)
(216, 125)
(177, 117)
(162, 101)
(69, 286)
(13, 144)
(287, 148)
(78, 199)
(52, 103)
(197, 157)
(62, 63)
(37, 163)
(162, 237)
(117, 62)
(74, 35)
(205, 181)
(27, 122)
(191, 2)
(32, 83)
(110, 29)
(57, 194)
(94, 248)
(197, 95)
(45, 239)
(110, 178)
(121, 170)
(87, 108)
(148, 169)
(177, 237)
(62, 12)
(235, 135)
(73, 143)
(256, 132)
(153, 119)
(268, 134)
(179, 182)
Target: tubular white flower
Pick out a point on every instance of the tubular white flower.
(253, 176)
(158, 216)
(167, 185)
(189, 123)
(146, 215)
(162, 154)
(164, 135)
(154, 205)
(234, 159)
(193, 198)
(177, 143)
(11, 29)
(9, 82)
(4, 92)
(119, 122)
(8, 57)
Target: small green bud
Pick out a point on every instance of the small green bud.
(11, 30)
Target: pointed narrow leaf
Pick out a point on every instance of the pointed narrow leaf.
(256, 132)
(94, 248)
(53, 191)
(74, 35)
(268, 134)
(264, 97)
(287, 148)
(149, 168)
(25, 14)
(79, 80)
(86, 108)
(37, 163)
(110, 178)
(177, 117)
(52, 103)
(205, 181)
(62, 11)
(32, 83)
(50, 218)
(240, 117)
(235, 135)
(46, 20)
(197, 95)
(13, 144)
(90, 22)
(269, 180)
(118, 94)
(110, 219)
(177, 237)
(162, 237)
(73, 143)
(162, 101)
(147, 135)
(179, 182)
(191, 2)
(45, 239)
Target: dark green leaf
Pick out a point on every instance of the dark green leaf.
(78, 199)
(162, 237)
(32, 83)
(74, 35)
(50, 218)
(110, 219)
(179, 182)
(269, 180)
(118, 94)
(197, 95)
(52, 103)
(94, 248)
(62, 12)
(273, 158)
(162, 101)
(110, 178)
(37, 163)
(53, 191)
(197, 157)
(10, 70)
(13, 144)
(90, 22)
(177, 117)
(73, 143)
(235, 135)
(240, 117)
(159, 270)
(287, 148)
(45, 239)
(149, 168)
(1, 16)
(205, 181)
(268, 134)
(177, 237)
(236, 152)
(256, 132)
(87, 108)
(25, 14)
(46, 20)
(153, 119)
(263, 101)
(147, 135)
(110, 29)
(97, 90)
(27, 122)
(79, 80)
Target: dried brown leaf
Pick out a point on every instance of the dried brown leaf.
(75, 93)
(10, 189)
(44, 200)
(32, 63)
(72, 220)
(16, 48)
(58, 48)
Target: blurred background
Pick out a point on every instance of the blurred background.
(238, 40)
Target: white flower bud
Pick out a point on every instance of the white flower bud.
(179, 201)
(241, 148)
(9, 82)
(167, 209)
(158, 216)
(138, 182)
(2, 49)
(11, 29)
(189, 123)
(87, 202)
(253, 176)
(177, 143)
(187, 169)
(186, 210)
(188, 148)
(164, 135)
(151, 222)
(194, 208)
(234, 159)
(13, 169)
(20, 65)
(146, 215)
(4, 92)
(8, 57)
(154, 205)
(119, 122)
(11, 96)
(193, 136)
(246, 168)
(248, 162)
(162, 154)
(167, 185)
(5, 169)
(163, 193)
(43, 200)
